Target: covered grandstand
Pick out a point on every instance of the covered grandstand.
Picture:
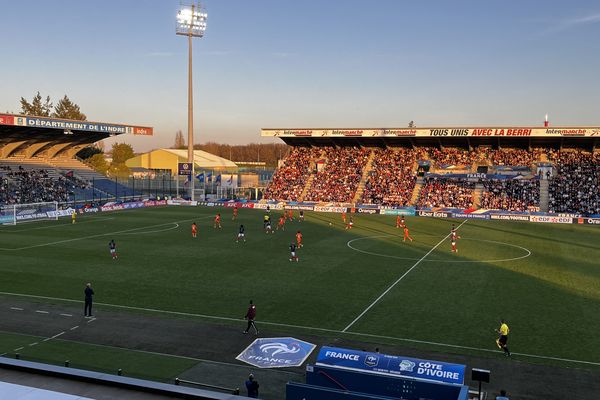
(514, 169)
(38, 151)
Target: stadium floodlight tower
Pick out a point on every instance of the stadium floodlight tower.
(191, 22)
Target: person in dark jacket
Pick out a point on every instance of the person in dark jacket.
(89, 292)
(250, 315)
(252, 387)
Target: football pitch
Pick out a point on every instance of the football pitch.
(364, 283)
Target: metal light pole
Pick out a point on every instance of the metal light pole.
(191, 22)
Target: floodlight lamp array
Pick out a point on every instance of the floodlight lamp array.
(191, 22)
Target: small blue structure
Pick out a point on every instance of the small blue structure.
(350, 374)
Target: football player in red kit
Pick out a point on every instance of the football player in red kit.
(453, 238)
(406, 234)
(299, 239)
(281, 223)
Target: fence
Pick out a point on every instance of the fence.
(161, 187)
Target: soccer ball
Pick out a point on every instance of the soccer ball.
(330, 224)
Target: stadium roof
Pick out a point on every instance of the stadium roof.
(32, 135)
(163, 159)
(447, 136)
(204, 159)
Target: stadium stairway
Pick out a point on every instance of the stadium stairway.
(477, 193)
(417, 189)
(311, 178)
(363, 180)
(544, 196)
(307, 186)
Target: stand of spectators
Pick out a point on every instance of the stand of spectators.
(511, 157)
(289, 180)
(392, 180)
(576, 188)
(339, 178)
(444, 192)
(32, 186)
(452, 156)
(511, 195)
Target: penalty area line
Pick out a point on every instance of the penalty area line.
(309, 328)
(399, 279)
(102, 234)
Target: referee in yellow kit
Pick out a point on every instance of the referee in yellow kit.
(501, 342)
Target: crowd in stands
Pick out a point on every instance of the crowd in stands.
(392, 179)
(444, 192)
(506, 156)
(451, 156)
(32, 186)
(576, 187)
(339, 178)
(289, 180)
(511, 195)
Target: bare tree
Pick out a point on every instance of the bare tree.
(179, 140)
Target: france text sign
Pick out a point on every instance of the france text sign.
(392, 365)
(276, 352)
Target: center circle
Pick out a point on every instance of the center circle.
(526, 252)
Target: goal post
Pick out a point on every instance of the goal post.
(12, 214)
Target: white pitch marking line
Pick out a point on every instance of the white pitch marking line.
(33, 344)
(155, 231)
(73, 328)
(399, 279)
(66, 315)
(349, 244)
(56, 226)
(16, 308)
(310, 328)
(91, 320)
(100, 235)
(19, 348)
(57, 335)
(41, 312)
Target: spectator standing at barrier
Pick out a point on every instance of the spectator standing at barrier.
(502, 395)
(89, 292)
(250, 315)
(252, 387)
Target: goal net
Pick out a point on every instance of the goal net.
(12, 214)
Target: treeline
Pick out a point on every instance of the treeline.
(268, 153)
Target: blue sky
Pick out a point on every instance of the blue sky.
(311, 63)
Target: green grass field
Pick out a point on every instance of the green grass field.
(543, 279)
